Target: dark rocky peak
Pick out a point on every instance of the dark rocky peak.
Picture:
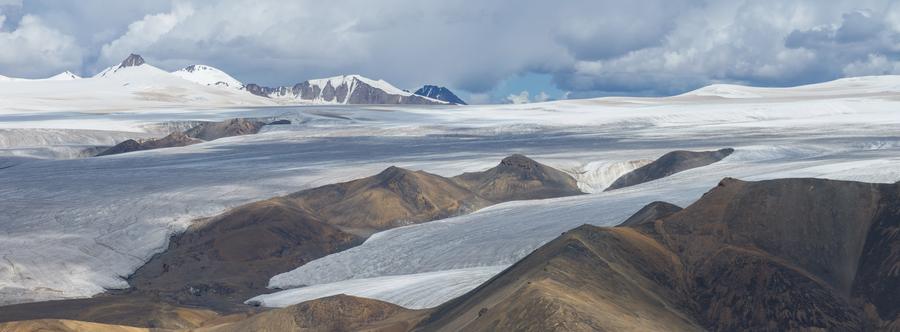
(519, 177)
(439, 93)
(524, 168)
(392, 174)
(132, 60)
(518, 161)
(668, 164)
(259, 90)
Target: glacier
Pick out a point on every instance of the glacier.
(74, 227)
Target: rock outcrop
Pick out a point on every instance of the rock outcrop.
(439, 93)
(206, 131)
(175, 139)
(215, 130)
(133, 60)
(670, 163)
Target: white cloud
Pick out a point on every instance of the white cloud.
(143, 34)
(524, 97)
(590, 47)
(521, 98)
(34, 50)
(875, 64)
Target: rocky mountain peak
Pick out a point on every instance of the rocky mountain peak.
(439, 93)
(132, 60)
(392, 174)
(518, 161)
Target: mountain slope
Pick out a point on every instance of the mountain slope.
(133, 60)
(518, 177)
(792, 254)
(226, 259)
(670, 163)
(208, 75)
(346, 89)
(130, 85)
(335, 313)
(64, 76)
(439, 93)
(394, 197)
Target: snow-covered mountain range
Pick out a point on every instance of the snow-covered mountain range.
(345, 89)
(136, 84)
(63, 76)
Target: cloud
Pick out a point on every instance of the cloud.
(521, 98)
(858, 26)
(588, 47)
(524, 97)
(143, 34)
(855, 27)
(873, 65)
(34, 50)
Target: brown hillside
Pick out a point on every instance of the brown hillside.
(668, 164)
(792, 254)
(519, 178)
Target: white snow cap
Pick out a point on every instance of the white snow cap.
(208, 75)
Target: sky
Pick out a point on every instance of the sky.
(486, 51)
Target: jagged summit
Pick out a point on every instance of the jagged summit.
(193, 68)
(343, 89)
(439, 93)
(133, 60)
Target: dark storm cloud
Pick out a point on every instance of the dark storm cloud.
(645, 47)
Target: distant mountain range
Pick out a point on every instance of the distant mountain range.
(344, 89)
